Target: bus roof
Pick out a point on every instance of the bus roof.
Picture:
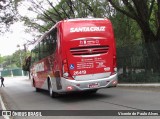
(84, 19)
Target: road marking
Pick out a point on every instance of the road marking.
(3, 107)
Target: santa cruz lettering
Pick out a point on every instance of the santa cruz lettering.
(88, 29)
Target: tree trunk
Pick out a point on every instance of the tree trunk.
(152, 47)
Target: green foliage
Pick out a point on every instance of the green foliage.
(141, 77)
(136, 65)
(14, 60)
(153, 21)
(126, 30)
(65, 9)
(18, 57)
(1, 59)
(135, 23)
(8, 13)
(8, 63)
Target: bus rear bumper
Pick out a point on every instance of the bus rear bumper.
(73, 85)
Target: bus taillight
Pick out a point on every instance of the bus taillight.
(114, 61)
(114, 65)
(66, 73)
(65, 68)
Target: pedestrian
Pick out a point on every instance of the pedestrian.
(2, 80)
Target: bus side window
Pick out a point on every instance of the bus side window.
(53, 41)
(40, 50)
(32, 57)
(35, 55)
(45, 48)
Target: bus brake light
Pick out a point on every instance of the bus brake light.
(65, 68)
(114, 61)
(114, 65)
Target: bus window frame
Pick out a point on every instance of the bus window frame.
(50, 40)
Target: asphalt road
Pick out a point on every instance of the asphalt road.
(19, 95)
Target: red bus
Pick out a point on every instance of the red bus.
(75, 55)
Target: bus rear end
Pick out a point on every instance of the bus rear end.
(88, 55)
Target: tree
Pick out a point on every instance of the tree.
(1, 59)
(8, 62)
(64, 9)
(146, 13)
(142, 12)
(8, 13)
(19, 56)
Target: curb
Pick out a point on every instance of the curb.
(140, 85)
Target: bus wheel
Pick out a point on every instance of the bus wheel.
(51, 93)
(37, 89)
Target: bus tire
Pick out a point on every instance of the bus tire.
(37, 89)
(51, 93)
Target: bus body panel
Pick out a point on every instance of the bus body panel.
(89, 52)
(84, 58)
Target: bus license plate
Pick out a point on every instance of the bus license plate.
(93, 85)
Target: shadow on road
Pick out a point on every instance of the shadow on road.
(78, 96)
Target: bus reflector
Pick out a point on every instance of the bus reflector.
(114, 82)
(69, 87)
